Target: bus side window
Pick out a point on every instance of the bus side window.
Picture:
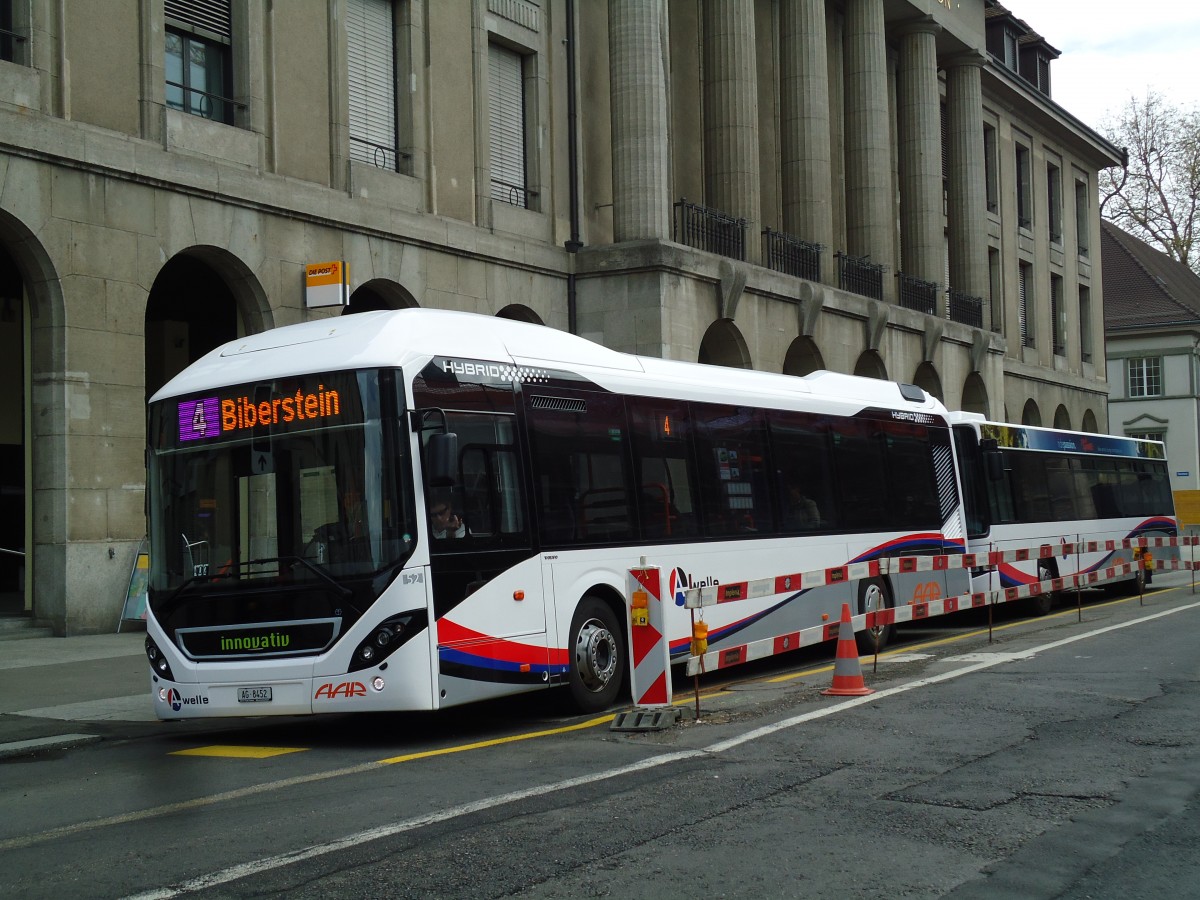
(804, 477)
(660, 435)
(580, 458)
(731, 465)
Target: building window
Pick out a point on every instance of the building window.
(1145, 376)
(1082, 229)
(198, 60)
(1057, 315)
(1010, 58)
(371, 82)
(989, 169)
(994, 286)
(1147, 435)
(508, 121)
(1025, 312)
(1024, 188)
(1054, 201)
(1043, 74)
(1085, 323)
(10, 39)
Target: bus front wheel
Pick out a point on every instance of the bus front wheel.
(873, 595)
(597, 656)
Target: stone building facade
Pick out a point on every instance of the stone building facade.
(875, 186)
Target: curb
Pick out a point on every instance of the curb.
(37, 745)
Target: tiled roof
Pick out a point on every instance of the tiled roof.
(1144, 286)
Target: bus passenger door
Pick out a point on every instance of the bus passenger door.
(487, 583)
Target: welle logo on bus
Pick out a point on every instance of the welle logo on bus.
(305, 403)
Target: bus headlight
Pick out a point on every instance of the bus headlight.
(381, 642)
(377, 683)
(158, 663)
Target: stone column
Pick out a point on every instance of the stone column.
(868, 150)
(641, 162)
(967, 193)
(918, 112)
(732, 182)
(804, 131)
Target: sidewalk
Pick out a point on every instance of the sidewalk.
(58, 692)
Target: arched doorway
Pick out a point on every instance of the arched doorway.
(975, 396)
(201, 298)
(379, 293)
(870, 365)
(926, 378)
(1031, 415)
(723, 345)
(14, 457)
(803, 357)
(1062, 418)
(520, 314)
(1089, 421)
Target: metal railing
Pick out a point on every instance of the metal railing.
(382, 156)
(859, 275)
(207, 105)
(512, 194)
(965, 308)
(918, 294)
(790, 255)
(708, 229)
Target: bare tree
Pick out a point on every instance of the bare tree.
(1157, 198)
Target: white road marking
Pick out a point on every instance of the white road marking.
(266, 864)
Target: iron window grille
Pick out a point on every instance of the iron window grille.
(918, 294)
(858, 275)
(709, 229)
(965, 308)
(790, 255)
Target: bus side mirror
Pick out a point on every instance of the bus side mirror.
(993, 464)
(441, 459)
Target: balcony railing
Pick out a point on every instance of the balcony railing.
(382, 156)
(965, 308)
(792, 256)
(859, 275)
(918, 294)
(708, 229)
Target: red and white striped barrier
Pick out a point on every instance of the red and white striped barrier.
(649, 650)
(912, 612)
(699, 598)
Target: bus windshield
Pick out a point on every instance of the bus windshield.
(295, 479)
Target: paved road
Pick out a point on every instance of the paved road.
(1059, 761)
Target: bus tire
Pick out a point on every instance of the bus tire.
(874, 594)
(597, 656)
(1042, 604)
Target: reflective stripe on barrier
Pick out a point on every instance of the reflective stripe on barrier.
(649, 651)
(912, 612)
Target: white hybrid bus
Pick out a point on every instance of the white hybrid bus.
(415, 509)
(1025, 487)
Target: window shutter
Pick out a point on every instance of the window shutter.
(211, 15)
(506, 108)
(1024, 308)
(371, 79)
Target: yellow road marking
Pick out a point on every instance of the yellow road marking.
(230, 751)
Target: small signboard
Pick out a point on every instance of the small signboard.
(137, 593)
(326, 284)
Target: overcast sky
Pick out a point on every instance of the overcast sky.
(1115, 49)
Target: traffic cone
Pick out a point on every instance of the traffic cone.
(847, 673)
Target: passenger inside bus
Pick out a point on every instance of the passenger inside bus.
(444, 522)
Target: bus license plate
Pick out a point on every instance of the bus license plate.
(254, 695)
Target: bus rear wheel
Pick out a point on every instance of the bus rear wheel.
(1043, 604)
(597, 656)
(873, 595)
